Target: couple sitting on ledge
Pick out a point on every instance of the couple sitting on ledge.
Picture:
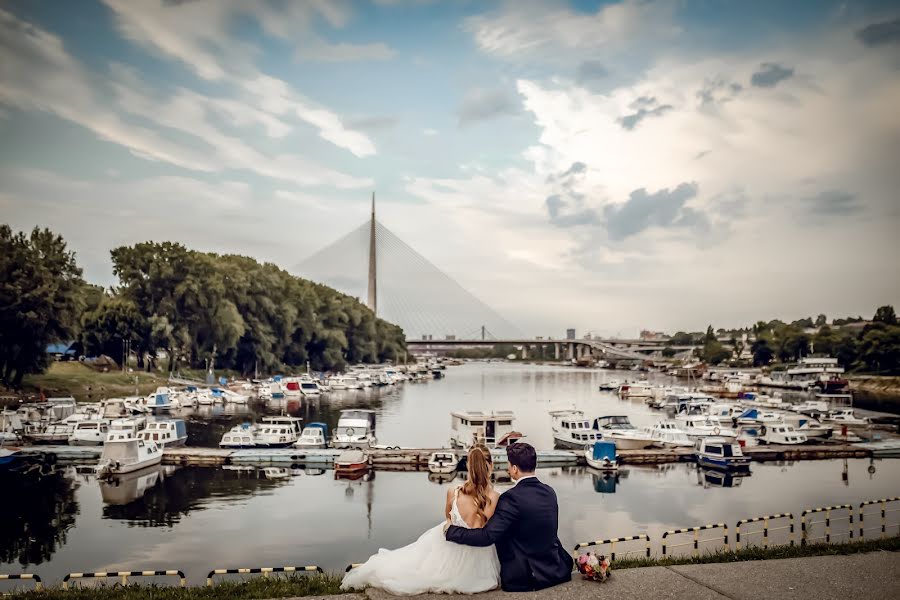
(488, 540)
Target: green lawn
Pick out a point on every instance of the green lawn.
(86, 384)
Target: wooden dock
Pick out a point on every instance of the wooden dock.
(414, 459)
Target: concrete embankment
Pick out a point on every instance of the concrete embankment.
(860, 576)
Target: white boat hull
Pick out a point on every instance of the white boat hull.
(629, 443)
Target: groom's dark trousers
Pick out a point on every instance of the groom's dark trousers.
(524, 530)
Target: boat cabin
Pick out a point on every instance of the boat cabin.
(475, 427)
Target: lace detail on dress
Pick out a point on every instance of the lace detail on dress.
(455, 517)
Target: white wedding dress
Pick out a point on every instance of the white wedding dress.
(430, 564)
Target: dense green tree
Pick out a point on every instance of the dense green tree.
(714, 352)
(682, 339)
(762, 352)
(885, 314)
(821, 320)
(41, 296)
(669, 352)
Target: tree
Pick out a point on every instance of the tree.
(762, 352)
(821, 320)
(40, 297)
(714, 352)
(682, 339)
(886, 315)
(669, 352)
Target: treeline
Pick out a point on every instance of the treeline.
(858, 344)
(193, 306)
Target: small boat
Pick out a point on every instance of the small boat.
(9, 455)
(637, 389)
(355, 429)
(309, 388)
(666, 434)
(168, 433)
(575, 432)
(602, 456)
(231, 397)
(720, 453)
(239, 436)
(618, 429)
(90, 432)
(609, 386)
(54, 433)
(845, 416)
(755, 416)
(129, 427)
(277, 432)
(351, 462)
(159, 400)
(702, 426)
(442, 462)
(127, 455)
(781, 433)
(314, 436)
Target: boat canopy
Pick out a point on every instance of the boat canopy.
(605, 450)
(317, 425)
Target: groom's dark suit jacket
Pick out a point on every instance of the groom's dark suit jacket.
(523, 528)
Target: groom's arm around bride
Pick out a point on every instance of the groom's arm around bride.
(523, 528)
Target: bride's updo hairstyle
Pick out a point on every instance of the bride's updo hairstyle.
(480, 467)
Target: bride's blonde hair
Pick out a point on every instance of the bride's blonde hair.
(480, 466)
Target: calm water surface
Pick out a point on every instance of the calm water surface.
(196, 519)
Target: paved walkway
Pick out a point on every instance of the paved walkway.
(858, 576)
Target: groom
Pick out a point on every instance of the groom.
(523, 528)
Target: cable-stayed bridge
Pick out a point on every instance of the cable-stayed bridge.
(403, 287)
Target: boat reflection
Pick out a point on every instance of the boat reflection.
(713, 478)
(442, 478)
(605, 482)
(128, 487)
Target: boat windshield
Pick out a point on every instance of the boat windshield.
(355, 414)
(616, 423)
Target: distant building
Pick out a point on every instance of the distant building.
(653, 336)
(570, 334)
(450, 338)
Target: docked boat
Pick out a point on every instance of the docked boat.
(781, 433)
(618, 428)
(90, 432)
(666, 434)
(720, 453)
(54, 433)
(232, 397)
(351, 462)
(442, 462)
(292, 388)
(314, 436)
(128, 427)
(239, 436)
(491, 429)
(575, 432)
(602, 456)
(637, 389)
(168, 433)
(277, 432)
(159, 400)
(609, 386)
(844, 416)
(702, 426)
(127, 455)
(355, 429)
(558, 413)
(756, 416)
(309, 388)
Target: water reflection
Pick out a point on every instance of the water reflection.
(39, 508)
(713, 478)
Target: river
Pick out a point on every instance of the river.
(197, 519)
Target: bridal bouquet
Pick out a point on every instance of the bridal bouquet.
(594, 567)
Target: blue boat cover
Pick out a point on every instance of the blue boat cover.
(321, 426)
(605, 450)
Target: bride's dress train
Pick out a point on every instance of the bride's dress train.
(430, 564)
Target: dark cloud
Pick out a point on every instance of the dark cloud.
(880, 34)
(645, 106)
(664, 208)
(717, 91)
(835, 203)
(770, 75)
(482, 104)
(567, 207)
(591, 70)
(576, 169)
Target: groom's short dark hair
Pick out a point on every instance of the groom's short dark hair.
(522, 455)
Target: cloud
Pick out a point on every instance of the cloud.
(481, 104)
(591, 70)
(197, 34)
(718, 90)
(646, 107)
(880, 34)
(664, 208)
(323, 52)
(835, 203)
(770, 75)
(372, 123)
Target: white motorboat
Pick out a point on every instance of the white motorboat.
(781, 433)
(756, 416)
(355, 429)
(128, 427)
(609, 386)
(314, 436)
(844, 416)
(666, 434)
(127, 455)
(159, 400)
(618, 428)
(43, 433)
(309, 388)
(602, 456)
(443, 462)
(720, 453)
(702, 426)
(90, 432)
(239, 436)
(278, 432)
(491, 429)
(231, 397)
(576, 432)
(557, 413)
(168, 433)
(807, 425)
(351, 462)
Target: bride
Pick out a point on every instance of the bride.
(431, 563)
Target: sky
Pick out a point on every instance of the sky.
(608, 166)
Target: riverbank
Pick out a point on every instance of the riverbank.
(883, 389)
(869, 569)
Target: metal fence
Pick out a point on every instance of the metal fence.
(264, 571)
(23, 576)
(612, 544)
(124, 575)
(766, 529)
(696, 541)
(884, 502)
(806, 525)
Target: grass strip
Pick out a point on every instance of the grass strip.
(891, 544)
(251, 588)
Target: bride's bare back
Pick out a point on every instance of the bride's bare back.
(468, 510)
